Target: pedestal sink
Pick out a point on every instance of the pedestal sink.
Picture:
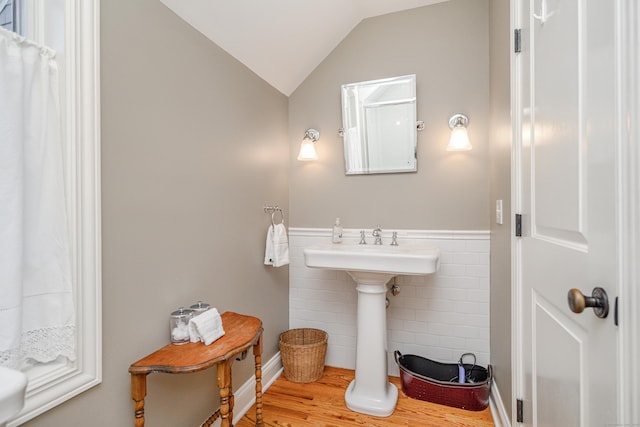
(13, 385)
(372, 267)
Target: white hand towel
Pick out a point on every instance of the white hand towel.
(280, 246)
(268, 250)
(206, 327)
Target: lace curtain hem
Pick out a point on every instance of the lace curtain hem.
(42, 346)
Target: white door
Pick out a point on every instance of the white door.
(566, 192)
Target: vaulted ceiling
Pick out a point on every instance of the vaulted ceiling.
(282, 41)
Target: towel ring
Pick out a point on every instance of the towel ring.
(273, 217)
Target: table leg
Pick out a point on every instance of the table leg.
(257, 353)
(232, 399)
(226, 397)
(138, 393)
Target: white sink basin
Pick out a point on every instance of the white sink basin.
(372, 266)
(393, 260)
(13, 385)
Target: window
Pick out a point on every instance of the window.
(71, 27)
(11, 15)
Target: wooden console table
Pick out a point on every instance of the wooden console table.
(241, 332)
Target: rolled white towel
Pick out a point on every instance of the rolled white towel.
(206, 327)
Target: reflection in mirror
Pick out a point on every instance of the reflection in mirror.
(379, 126)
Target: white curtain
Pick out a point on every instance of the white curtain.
(37, 321)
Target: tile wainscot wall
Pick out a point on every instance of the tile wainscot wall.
(438, 316)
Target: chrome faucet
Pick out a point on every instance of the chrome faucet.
(377, 235)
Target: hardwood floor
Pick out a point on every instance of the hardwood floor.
(321, 404)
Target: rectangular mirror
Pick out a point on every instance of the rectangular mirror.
(379, 126)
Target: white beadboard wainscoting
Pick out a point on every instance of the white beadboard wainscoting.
(438, 316)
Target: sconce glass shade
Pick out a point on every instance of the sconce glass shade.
(307, 147)
(459, 140)
(307, 150)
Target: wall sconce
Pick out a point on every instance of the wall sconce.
(459, 140)
(307, 147)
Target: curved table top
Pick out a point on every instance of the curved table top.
(241, 332)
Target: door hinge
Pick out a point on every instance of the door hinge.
(517, 40)
(518, 225)
(519, 410)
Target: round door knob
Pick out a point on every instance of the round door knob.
(598, 301)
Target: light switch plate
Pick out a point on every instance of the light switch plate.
(499, 212)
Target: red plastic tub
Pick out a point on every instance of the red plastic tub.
(428, 380)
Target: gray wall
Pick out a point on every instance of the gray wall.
(193, 145)
(500, 188)
(447, 46)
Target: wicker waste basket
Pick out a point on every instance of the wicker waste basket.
(303, 351)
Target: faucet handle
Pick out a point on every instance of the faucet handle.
(362, 239)
(394, 239)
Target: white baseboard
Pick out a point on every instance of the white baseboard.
(245, 396)
(498, 411)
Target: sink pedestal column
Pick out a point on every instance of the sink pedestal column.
(371, 392)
